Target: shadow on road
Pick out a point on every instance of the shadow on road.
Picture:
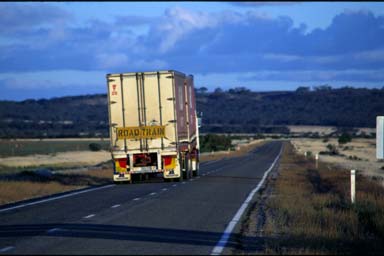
(126, 233)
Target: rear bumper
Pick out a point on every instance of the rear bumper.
(122, 177)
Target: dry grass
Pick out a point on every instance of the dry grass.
(323, 130)
(9, 148)
(242, 150)
(27, 184)
(12, 191)
(63, 159)
(309, 212)
(363, 149)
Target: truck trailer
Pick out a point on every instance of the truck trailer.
(153, 125)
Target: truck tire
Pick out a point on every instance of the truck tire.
(196, 172)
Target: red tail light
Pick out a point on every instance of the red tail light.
(122, 162)
(167, 160)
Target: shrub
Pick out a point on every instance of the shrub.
(94, 147)
(354, 157)
(332, 149)
(214, 142)
(344, 138)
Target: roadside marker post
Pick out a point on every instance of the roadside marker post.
(380, 137)
(353, 186)
(317, 160)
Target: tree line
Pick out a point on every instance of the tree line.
(237, 110)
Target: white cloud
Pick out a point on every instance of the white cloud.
(281, 57)
(351, 75)
(178, 22)
(373, 55)
(111, 60)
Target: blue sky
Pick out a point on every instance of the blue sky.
(53, 49)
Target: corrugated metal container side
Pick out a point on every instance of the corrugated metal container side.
(138, 103)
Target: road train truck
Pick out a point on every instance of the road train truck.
(153, 125)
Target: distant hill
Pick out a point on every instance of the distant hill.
(240, 110)
(236, 110)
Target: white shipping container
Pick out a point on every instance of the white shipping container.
(153, 124)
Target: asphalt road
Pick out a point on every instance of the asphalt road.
(148, 218)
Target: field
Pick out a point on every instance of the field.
(359, 154)
(306, 209)
(55, 154)
(26, 147)
(28, 184)
(66, 164)
(323, 130)
(240, 149)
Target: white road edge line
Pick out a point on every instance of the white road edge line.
(8, 248)
(218, 249)
(55, 198)
(89, 216)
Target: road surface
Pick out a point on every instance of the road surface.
(186, 217)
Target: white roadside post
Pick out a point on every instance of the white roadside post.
(305, 154)
(380, 137)
(353, 186)
(317, 160)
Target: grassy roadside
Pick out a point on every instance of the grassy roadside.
(307, 210)
(29, 184)
(243, 149)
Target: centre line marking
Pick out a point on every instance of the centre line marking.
(136, 199)
(174, 185)
(153, 193)
(164, 189)
(115, 206)
(218, 249)
(90, 216)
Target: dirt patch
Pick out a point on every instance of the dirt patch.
(63, 159)
(323, 130)
(241, 150)
(360, 154)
